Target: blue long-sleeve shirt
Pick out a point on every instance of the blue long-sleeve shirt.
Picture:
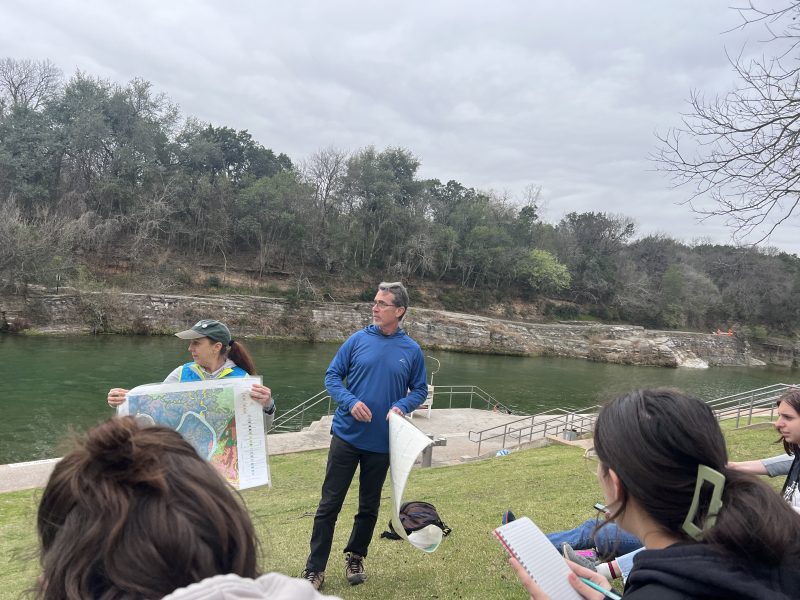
(382, 372)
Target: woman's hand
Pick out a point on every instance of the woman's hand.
(583, 589)
(537, 593)
(527, 581)
(261, 394)
(116, 396)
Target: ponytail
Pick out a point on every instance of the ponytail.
(239, 354)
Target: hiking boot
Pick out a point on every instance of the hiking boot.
(578, 557)
(316, 578)
(354, 568)
(507, 517)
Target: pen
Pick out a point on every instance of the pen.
(602, 590)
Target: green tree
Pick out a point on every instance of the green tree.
(269, 215)
(590, 244)
(542, 272)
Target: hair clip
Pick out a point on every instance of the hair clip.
(717, 480)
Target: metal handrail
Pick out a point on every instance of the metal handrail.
(775, 387)
(749, 404)
(565, 420)
(471, 392)
(744, 407)
(476, 398)
(281, 422)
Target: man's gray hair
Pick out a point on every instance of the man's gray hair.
(398, 292)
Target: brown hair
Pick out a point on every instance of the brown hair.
(239, 354)
(654, 441)
(792, 398)
(134, 512)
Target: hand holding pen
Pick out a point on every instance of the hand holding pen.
(586, 582)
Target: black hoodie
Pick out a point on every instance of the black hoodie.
(697, 571)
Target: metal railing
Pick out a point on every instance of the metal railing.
(469, 396)
(538, 426)
(463, 396)
(744, 406)
(295, 418)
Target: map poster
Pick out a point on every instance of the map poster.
(217, 417)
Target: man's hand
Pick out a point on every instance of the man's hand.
(116, 396)
(396, 411)
(361, 412)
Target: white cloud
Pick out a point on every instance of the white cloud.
(566, 95)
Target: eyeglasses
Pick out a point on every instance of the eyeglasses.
(381, 304)
(591, 462)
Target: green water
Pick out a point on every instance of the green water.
(52, 384)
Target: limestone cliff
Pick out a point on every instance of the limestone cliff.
(249, 316)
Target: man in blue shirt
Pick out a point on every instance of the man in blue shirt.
(384, 371)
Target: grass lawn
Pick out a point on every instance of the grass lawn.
(552, 485)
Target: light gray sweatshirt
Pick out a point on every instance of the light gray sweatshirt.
(272, 586)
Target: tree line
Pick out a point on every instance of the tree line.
(90, 167)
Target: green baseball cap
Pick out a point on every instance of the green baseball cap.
(209, 328)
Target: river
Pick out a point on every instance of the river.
(52, 384)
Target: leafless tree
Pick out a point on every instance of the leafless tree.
(742, 150)
(28, 83)
(30, 245)
(325, 170)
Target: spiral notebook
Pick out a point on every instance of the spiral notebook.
(526, 542)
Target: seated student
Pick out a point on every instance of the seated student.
(734, 538)
(621, 566)
(607, 541)
(134, 512)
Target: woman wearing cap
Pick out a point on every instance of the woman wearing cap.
(215, 354)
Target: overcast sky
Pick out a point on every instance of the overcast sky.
(566, 95)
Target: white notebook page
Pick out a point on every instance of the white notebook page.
(526, 542)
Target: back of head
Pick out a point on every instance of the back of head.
(655, 440)
(134, 512)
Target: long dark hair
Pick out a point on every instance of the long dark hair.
(237, 352)
(135, 512)
(792, 398)
(655, 439)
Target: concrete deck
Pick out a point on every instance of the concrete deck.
(454, 424)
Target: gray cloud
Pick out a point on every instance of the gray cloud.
(566, 95)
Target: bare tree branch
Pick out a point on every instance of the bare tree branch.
(741, 151)
(28, 83)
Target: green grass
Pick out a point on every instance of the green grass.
(552, 485)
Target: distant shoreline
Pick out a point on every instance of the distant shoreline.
(75, 312)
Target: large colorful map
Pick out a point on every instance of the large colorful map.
(217, 417)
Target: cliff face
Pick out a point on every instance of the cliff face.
(248, 316)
